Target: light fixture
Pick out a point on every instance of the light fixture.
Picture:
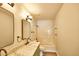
(29, 18)
(11, 4)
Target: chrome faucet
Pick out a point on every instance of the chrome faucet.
(4, 52)
(27, 39)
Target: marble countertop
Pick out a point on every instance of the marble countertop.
(26, 50)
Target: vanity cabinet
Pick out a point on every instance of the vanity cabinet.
(31, 49)
(37, 52)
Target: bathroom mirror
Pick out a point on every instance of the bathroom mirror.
(26, 30)
(6, 28)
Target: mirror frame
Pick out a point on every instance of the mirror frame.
(13, 27)
(22, 29)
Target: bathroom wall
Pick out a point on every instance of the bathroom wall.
(45, 33)
(67, 25)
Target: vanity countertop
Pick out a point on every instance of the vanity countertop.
(26, 50)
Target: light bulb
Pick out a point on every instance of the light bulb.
(30, 17)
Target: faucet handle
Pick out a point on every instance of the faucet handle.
(2, 51)
(19, 38)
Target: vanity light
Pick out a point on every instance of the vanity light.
(29, 18)
(11, 4)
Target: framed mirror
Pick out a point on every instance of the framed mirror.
(6, 28)
(26, 30)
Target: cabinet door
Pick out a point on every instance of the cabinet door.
(37, 52)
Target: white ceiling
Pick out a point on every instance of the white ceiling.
(43, 10)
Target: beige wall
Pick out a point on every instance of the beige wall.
(67, 23)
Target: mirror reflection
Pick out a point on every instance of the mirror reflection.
(26, 30)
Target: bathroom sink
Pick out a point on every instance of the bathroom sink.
(26, 50)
